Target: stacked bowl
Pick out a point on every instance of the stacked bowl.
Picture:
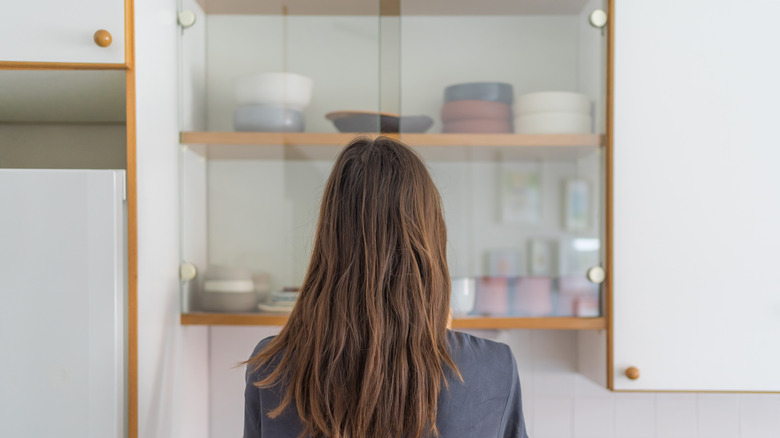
(553, 112)
(271, 102)
(478, 107)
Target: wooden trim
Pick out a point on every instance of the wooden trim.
(196, 318)
(608, 216)
(689, 391)
(549, 323)
(132, 225)
(23, 65)
(341, 139)
(391, 8)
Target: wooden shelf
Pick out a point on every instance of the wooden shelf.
(304, 145)
(545, 323)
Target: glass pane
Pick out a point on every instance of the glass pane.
(525, 223)
(281, 67)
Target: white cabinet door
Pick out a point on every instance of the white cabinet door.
(697, 195)
(62, 31)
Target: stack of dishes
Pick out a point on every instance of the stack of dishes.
(478, 107)
(271, 102)
(281, 301)
(553, 112)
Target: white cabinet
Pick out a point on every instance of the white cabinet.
(62, 31)
(696, 205)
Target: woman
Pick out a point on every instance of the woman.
(366, 351)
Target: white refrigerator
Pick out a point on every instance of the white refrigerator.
(62, 303)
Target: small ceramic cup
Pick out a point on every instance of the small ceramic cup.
(463, 296)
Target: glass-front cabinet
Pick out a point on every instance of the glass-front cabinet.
(505, 101)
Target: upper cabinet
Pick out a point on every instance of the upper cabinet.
(696, 206)
(68, 31)
(505, 101)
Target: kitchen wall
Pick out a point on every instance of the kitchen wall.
(558, 401)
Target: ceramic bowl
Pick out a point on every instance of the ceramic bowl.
(228, 289)
(287, 90)
(552, 101)
(267, 119)
(492, 91)
(553, 123)
(475, 109)
(366, 121)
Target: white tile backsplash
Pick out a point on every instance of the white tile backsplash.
(594, 417)
(634, 415)
(718, 415)
(558, 402)
(675, 415)
(759, 415)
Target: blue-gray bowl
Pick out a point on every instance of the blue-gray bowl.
(492, 91)
(267, 119)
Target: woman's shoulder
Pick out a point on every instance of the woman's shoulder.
(261, 345)
(471, 352)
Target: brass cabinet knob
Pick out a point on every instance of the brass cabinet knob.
(632, 373)
(102, 38)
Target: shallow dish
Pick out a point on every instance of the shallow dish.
(367, 121)
(492, 91)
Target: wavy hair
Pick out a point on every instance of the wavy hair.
(364, 351)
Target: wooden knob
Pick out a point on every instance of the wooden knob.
(632, 373)
(103, 38)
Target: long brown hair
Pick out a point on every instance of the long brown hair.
(364, 351)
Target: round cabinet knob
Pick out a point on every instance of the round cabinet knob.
(632, 373)
(598, 18)
(103, 38)
(187, 271)
(596, 274)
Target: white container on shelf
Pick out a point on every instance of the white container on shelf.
(283, 90)
(552, 101)
(463, 296)
(554, 123)
(227, 289)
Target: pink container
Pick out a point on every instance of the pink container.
(492, 296)
(532, 296)
(577, 297)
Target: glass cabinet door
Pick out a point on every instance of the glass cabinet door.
(506, 103)
(525, 219)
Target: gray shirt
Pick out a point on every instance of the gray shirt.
(486, 404)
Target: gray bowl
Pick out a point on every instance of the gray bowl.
(492, 91)
(267, 119)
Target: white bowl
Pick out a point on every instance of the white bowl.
(286, 90)
(552, 101)
(553, 123)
